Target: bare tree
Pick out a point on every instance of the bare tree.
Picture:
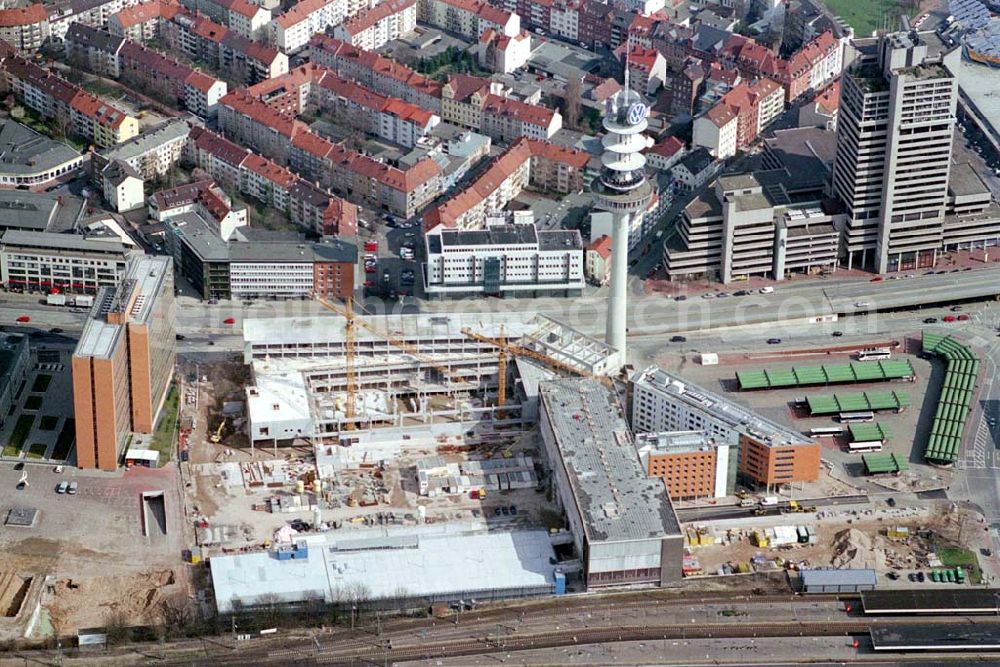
(116, 626)
(571, 109)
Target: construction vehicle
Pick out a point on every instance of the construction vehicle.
(795, 506)
(217, 436)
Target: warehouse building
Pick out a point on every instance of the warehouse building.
(623, 524)
(770, 454)
(838, 581)
(408, 567)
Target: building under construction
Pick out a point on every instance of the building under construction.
(344, 379)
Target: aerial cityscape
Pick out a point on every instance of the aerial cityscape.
(465, 332)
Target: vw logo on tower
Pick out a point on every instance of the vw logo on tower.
(636, 113)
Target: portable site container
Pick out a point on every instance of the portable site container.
(803, 533)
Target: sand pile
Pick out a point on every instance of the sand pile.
(854, 549)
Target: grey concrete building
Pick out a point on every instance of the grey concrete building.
(772, 223)
(15, 361)
(71, 263)
(897, 117)
(623, 524)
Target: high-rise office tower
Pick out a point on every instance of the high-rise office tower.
(894, 135)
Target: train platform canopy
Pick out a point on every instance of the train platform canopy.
(838, 581)
(957, 395)
(884, 464)
(873, 401)
(932, 601)
(804, 376)
(869, 432)
(927, 637)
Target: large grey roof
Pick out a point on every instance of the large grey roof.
(20, 209)
(73, 242)
(24, 151)
(94, 38)
(839, 577)
(617, 500)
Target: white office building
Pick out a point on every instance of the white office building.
(503, 259)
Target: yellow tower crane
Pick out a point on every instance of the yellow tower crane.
(508, 349)
(347, 312)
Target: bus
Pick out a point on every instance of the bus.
(864, 446)
(856, 417)
(826, 432)
(875, 354)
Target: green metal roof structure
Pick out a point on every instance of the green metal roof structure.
(785, 378)
(957, 393)
(883, 464)
(869, 432)
(874, 401)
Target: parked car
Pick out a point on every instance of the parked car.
(837, 334)
(680, 298)
(63, 485)
(955, 309)
(930, 320)
(766, 290)
(678, 339)
(71, 490)
(773, 341)
(963, 317)
(949, 318)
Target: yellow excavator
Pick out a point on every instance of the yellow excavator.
(217, 436)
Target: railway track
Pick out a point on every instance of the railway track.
(362, 652)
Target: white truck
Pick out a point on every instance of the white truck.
(81, 301)
(769, 501)
(56, 299)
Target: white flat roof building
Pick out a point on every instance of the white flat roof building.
(422, 564)
(503, 259)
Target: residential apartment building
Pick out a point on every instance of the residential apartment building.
(25, 28)
(506, 120)
(76, 111)
(73, 264)
(307, 205)
(503, 260)
(502, 54)
(664, 154)
(738, 118)
(93, 50)
(810, 68)
(538, 163)
(152, 153)
(378, 73)
(647, 69)
(692, 464)
(205, 199)
(124, 362)
(175, 83)
(399, 190)
(248, 19)
(142, 22)
(770, 455)
(226, 50)
(463, 97)
(469, 18)
(94, 13)
(123, 187)
(391, 119)
(374, 28)
(292, 31)
(597, 260)
(894, 129)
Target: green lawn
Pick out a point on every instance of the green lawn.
(48, 423)
(957, 556)
(37, 450)
(65, 440)
(163, 439)
(866, 15)
(19, 435)
(32, 402)
(41, 383)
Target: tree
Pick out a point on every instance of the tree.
(116, 626)
(571, 108)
